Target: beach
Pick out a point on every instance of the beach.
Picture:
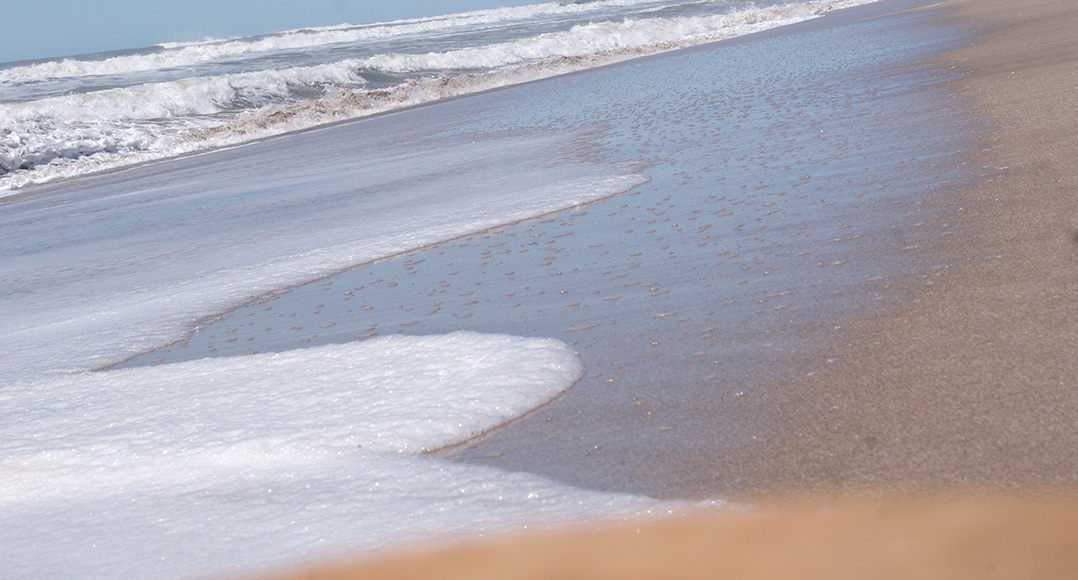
(966, 389)
(712, 278)
(972, 387)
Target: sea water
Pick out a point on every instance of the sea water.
(70, 116)
(299, 436)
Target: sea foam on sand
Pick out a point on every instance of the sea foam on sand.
(242, 463)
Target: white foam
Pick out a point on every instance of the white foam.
(92, 433)
(235, 465)
(230, 466)
(147, 120)
(265, 521)
(642, 36)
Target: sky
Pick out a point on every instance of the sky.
(37, 29)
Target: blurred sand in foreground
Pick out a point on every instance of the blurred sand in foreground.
(985, 538)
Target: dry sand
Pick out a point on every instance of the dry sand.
(972, 387)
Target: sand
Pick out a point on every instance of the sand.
(969, 539)
(970, 386)
(974, 386)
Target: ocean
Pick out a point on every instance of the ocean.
(71, 116)
(242, 333)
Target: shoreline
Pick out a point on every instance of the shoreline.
(851, 321)
(968, 390)
(204, 322)
(859, 424)
(726, 436)
(676, 319)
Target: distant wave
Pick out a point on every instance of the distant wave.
(600, 37)
(181, 54)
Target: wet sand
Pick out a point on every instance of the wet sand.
(974, 386)
(967, 380)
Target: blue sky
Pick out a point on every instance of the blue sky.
(30, 30)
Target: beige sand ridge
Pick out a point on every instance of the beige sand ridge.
(982, 538)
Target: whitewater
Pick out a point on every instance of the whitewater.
(247, 354)
(72, 116)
